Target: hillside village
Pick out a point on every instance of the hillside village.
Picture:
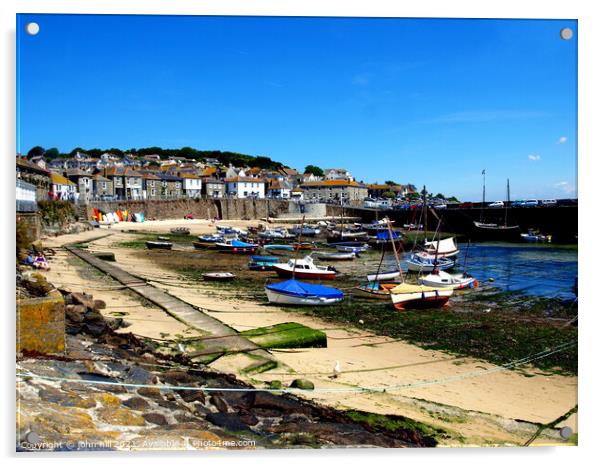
(83, 178)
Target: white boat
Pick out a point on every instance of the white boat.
(424, 262)
(275, 234)
(385, 276)
(336, 256)
(533, 237)
(406, 296)
(305, 268)
(441, 279)
(374, 290)
(219, 276)
(444, 248)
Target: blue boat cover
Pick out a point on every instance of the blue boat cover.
(264, 259)
(385, 235)
(296, 288)
(241, 244)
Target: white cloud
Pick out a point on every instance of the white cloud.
(565, 187)
(562, 140)
(534, 157)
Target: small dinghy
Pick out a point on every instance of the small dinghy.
(218, 276)
(336, 256)
(533, 237)
(237, 247)
(265, 259)
(407, 296)
(305, 231)
(303, 246)
(346, 247)
(374, 290)
(441, 279)
(423, 262)
(278, 247)
(294, 292)
(203, 245)
(210, 238)
(388, 275)
(262, 263)
(162, 238)
(158, 245)
(180, 231)
(305, 268)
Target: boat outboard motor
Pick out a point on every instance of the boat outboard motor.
(331, 268)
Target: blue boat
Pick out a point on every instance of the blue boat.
(237, 247)
(278, 247)
(422, 262)
(264, 259)
(295, 292)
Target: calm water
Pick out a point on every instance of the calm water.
(542, 270)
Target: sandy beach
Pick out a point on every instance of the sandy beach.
(479, 408)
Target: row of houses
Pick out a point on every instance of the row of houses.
(128, 181)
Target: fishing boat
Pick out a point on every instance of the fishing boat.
(236, 246)
(305, 268)
(494, 231)
(374, 290)
(305, 231)
(279, 233)
(210, 238)
(203, 245)
(441, 279)
(278, 247)
(219, 276)
(444, 248)
(533, 237)
(408, 296)
(162, 238)
(336, 256)
(158, 245)
(351, 247)
(336, 236)
(295, 292)
(424, 262)
(180, 231)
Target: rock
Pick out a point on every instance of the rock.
(93, 316)
(248, 418)
(200, 410)
(120, 417)
(83, 299)
(108, 400)
(230, 422)
(65, 398)
(99, 304)
(190, 396)
(303, 384)
(239, 400)
(136, 403)
(279, 403)
(219, 403)
(168, 404)
(95, 329)
(136, 374)
(175, 377)
(275, 384)
(183, 418)
(155, 418)
(37, 284)
(149, 392)
(75, 313)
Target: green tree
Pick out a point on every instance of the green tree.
(440, 196)
(313, 170)
(391, 183)
(35, 151)
(52, 153)
(389, 194)
(453, 199)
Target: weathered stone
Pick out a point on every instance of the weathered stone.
(192, 395)
(248, 418)
(155, 418)
(171, 405)
(99, 304)
(149, 392)
(303, 384)
(75, 313)
(136, 403)
(64, 398)
(270, 401)
(138, 375)
(95, 329)
(176, 377)
(108, 400)
(83, 298)
(120, 417)
(227, 421)
(184, 418)
(219, 403)
(275, 384)
(41, 325)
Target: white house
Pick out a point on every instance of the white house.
(192, 184)
(279, 189)
(245, 186)
(337, 174)
(62, 188)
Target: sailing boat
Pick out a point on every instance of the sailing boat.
(406, 295)
(295, 292)
(440, 279)
(494, 231)
(426, 261)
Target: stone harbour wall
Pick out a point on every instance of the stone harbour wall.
(41, 324)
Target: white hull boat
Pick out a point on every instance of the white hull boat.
(443, 248)
(443, 279)
(407, 296)
(384, 276)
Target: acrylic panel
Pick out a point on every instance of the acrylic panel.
(250, 233)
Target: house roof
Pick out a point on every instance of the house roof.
(60, 179)
(23, 163)
(385, 186)
(318, 184)
(209, 171)
(297, 190)
(190, 176)
(244, 179)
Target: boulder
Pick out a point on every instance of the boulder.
(155, 418)
(303, 384)
(136, 403)
(230, 422)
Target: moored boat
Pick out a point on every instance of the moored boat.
(408, 296)
(443, 248)
(278, 247)
(158, 245)
(303, 246)
(180, 231)
(305, 268)
(374, 290)
(203, 245)
(219, 276)
(305, 231)
(441, 279)
(237, 247)
(387, 275)
(295, 292)
(336, 256)
(424, 262)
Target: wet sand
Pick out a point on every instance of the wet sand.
(478, 408)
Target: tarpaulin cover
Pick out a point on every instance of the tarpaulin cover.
(302, 289)
(385, 235)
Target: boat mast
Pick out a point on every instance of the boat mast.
(507, 202)
(298, 246)
(394, 248)
(483, 203)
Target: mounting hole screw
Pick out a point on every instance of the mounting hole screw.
(566, 33)
(32, 28)
(566, 433)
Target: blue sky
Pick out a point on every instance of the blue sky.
(426, 101)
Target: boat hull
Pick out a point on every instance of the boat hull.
(419, 267)
(456, 283)
(383, 276)
(286, 299)
(158, 245)
(421, 300)
(371, 293)
(287, 273)
(218, 277)
(495, 233)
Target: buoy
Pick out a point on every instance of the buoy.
(361, 321)
(476, 284)
(491, 279)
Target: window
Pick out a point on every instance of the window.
(104, 185)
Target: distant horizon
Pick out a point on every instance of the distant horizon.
(408, 100)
